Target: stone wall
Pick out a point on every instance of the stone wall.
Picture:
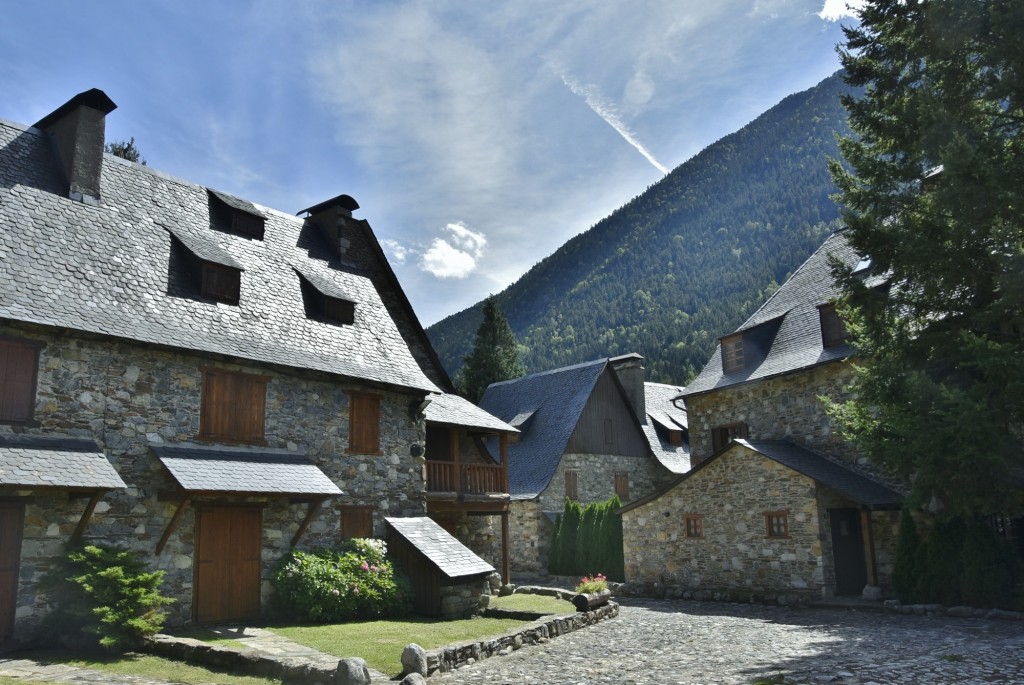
(530, 533)
(732, 494)
(128, 396)
(482, 534)
(462, 599)
(786, 407)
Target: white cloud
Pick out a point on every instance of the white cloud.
(456, 256)
(397, 250)
(834, 10)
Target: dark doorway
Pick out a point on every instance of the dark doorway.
(228, 564)
(848, 551)
(12, 516)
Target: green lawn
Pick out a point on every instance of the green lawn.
(381, 642)
(144, 666)
(536, 603)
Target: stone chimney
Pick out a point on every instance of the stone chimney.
(630, 370)
(332, 216)
(78, 128)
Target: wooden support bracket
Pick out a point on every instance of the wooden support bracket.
(86, 515)
(173, 524)
(314, 507)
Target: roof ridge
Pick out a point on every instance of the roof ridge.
(551, 371)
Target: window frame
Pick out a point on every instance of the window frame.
(769, 529)
(572, 484)
(693, 523)
(208, 428)
(358, 425)
(33, 348)
(732, 353)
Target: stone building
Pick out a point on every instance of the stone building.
(776, 501)
(583, 434)
(203, 380)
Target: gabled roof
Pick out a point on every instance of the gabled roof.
(558, 398)
(456, 411)
(664, 415)
(439, 547)
(793, 311)
(108, 270)
(822, 470)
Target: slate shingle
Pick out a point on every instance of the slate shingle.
(108, 270)
(454, 410)
(59, 462)
(440, 547)
(663, 411)
(244, 470)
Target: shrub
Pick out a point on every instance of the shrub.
(352, 581)
(105, 596)
(590, 585)
(904, 576)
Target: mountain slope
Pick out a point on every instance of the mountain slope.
(686, 261)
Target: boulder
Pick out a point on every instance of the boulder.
(414, 659)
(352, 671)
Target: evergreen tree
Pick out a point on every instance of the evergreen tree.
(495, 356)
(587, 541)
(125, 149)
(555, 550)
(933, 195)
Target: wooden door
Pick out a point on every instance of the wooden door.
(228, 564)
(12, 516)
(847, 551)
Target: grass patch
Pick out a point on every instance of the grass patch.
(540, 604)
(381, 643)
(145, 666)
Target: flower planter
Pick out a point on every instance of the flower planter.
(586, 601)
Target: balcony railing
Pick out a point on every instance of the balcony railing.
(467, 479)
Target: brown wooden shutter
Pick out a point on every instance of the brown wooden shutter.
(833, 330)
(364, 424)
(233, 406)
(18, 362)
(622, 486)
(356, 522)
(221, 283)
(572, 490)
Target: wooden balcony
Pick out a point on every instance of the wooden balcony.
(466, 487)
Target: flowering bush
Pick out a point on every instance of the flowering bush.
(588, 585)
(352, 581)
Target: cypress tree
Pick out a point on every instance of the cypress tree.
(585, 541)
(555, 550)
(904, 577)
(616, 564)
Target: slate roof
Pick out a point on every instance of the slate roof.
(245, 470)
(454, 410)
(440, 547)
(558, 398)
(664, 413)
(111, 270)
(857, 487)
(57, 462)
(794, 310)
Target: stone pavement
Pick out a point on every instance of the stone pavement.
(660, 642)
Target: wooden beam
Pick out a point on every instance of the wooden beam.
(453, 447)
(314, 507)
(503, 449)
(506, 572)
(86, 515)
(868, 536)
(173, 524)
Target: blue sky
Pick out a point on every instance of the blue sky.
(477, 137)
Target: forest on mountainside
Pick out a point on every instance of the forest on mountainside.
(688, 260)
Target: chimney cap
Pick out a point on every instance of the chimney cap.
(345, 201)
(623, 358)
(94, 98)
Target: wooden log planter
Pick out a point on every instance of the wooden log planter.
(588, 601)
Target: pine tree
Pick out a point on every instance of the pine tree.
(933, 196)
(125, 149)
(495, 356)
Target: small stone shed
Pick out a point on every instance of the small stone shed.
(447, 577)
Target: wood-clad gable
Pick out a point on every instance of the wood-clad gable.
(607, 424)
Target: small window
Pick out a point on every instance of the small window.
(609, 432)
(18, 363)
(694, 524)
(723, 435)
(247, 225)
(622, 486)
(675, 438)
(356, 521)
(364, 424)
(323, 307)
(732, 353)
(221, 283)
(776, 524)
(833, 330)
(339, 311)
(572, 483)
(232, 407)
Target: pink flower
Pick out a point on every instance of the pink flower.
(365, 567)
(373, 568)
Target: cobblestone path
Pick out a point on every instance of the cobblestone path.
(693, 643)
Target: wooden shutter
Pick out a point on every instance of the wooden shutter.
(339, 311)
(221, 283)
(732, 353)
(833, 330)
(572, 480)
(233, 406)
(622, 486)
(18, 363)
(356, 522)
(364, 424)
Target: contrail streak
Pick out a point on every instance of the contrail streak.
(606, 111)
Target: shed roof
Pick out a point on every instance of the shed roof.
(667, 415)
(55, 462)
(439, 547)
(454, 410)
(109, 270)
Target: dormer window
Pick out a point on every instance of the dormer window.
(213, 274)
(833, 330)
(238, 217)
(326, 302)
(221, 283)
(732, 353)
